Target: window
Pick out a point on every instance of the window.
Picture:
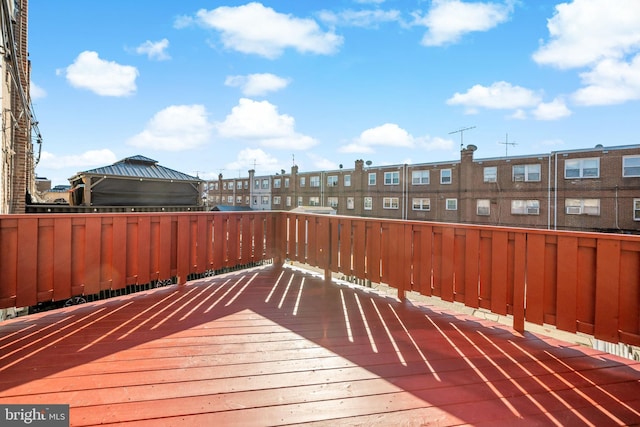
(636, 209)
(630, 166)
(582, 168)
(265, 200)
(445, 176)
(347, 180)
(302, 181)
(491, 174)
(390, 203)
(372, 178)
(332, 201)
(332, 180)
(238, 200)
(286, 183)
(288, 201)
(351, 203)
(368, 203)
(392, 178)
(420, 177)
(255, 200)
(314, 201)
(230, 199)
(299, 200)
(239, 185)
(483, 207)
(276, 183)
(215, 186)
(314, 181)
(277, 200)
(224, 185)
(421, 204)
(257, 184)
(525, 173)
(582, 206)
(525, 207)
(452, 204)
(246, 185)
(246, 200)
(265, 184)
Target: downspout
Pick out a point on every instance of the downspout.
(549, 194)
(555, 194)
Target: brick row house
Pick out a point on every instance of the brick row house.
(594, 189)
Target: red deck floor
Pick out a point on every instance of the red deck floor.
(271, 346)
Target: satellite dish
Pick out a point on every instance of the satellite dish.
(472, 147)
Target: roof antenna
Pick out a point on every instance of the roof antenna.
(461, 131)
(506, 144)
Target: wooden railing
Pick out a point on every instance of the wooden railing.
(54, 257)
(577, 282)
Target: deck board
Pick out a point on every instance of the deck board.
(279, 346)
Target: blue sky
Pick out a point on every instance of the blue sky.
(209, 87)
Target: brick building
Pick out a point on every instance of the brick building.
(17, 165)
(594, 189)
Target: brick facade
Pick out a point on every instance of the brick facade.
(588, 190)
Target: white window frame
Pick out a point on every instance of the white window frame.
(264, 200)
(230, 200)
(351, 203)
(420, 177)
(299, 200)
(238, 185)
(390, 203)
(265, 184)
(257, 184)
(421, 204)
(580, 168)
(631, 170)
(483, 207)
(446, 176)
(277, 182)
(286, 183)
(582, 207)
(277, 200)
(368, 203)
(392, 178)
(451, 204)
(314, 181)
(332, 201)
(636, 209)
(288, 200)
(238, 200)
(332, 180)
(525, 207)
(347, 180)
(303, 181)
(490, 174)
(527, 172)
(372, 178)
(314, 201)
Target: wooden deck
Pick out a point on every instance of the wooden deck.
(277, 346)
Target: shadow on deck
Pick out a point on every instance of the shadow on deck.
(278, 346)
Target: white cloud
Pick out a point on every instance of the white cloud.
(154, 50)
(256, 29)
(36, 91)
(359, 18)
(257, 84)
(321, 163)
(106, 78)
(448, 20)
(260, 121)
(584, 32)
(86, 160)
(554, 110)
(254, 158)
(610, 82)
(178, 127)
(500, 95)
(392, 135)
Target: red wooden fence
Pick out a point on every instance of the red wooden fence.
(578, 282)
(54, 257)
